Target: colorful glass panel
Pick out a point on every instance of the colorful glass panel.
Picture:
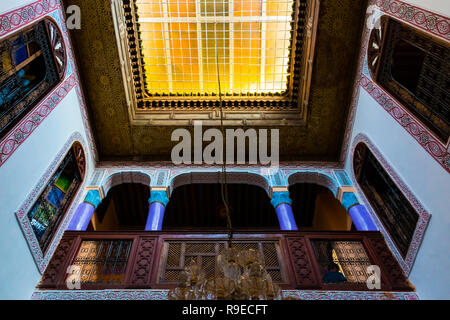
(185, 43)
(48, 210)
(31, 63)
(103, 261)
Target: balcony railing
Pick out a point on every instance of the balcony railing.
(144, 260)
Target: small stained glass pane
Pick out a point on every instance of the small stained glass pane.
(103, 261)
(49, 208)
(186, 44)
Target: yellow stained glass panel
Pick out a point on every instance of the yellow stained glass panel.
(185, 42)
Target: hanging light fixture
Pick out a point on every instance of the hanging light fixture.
(242, 274)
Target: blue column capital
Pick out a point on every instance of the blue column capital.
(158, 196)
(348, 200)
(93, 197)
(279, 198)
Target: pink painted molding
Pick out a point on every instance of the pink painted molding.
(160, 294)
(16, 19)
(424, 217)
(19, 18)
(429, 22)
(41, 258)
(426, 20)
(409, 122)
(11, 142)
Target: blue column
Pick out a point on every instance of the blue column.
(360, 217)
(84, 212)
(282, 204)
(158, 201)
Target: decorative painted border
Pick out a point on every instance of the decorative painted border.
(320, 177)
(209, 174)
(19, 18)
(125, 177)
(16, 19)
(427, 21)
(424, 217)
(409, 122)
(21, 215)
(154, 294)
(11, 142)
(179, 178)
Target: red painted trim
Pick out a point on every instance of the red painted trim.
(409, 122)
(18, 18)
(11, 142)
(426, 20)
(408, 14)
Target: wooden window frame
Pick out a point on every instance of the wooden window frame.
(24, 106)
(361, 153)
(380, 52)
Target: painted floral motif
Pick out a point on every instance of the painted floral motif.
(162, 295)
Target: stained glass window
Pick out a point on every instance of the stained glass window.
(184, 42)
(176, 255)
(392, 207)
(50, 207)
(103, 261)
(349, 256)
(31, 63)
(414, 68)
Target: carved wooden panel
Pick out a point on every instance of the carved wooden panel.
(176, 255)
(301, 262)
(140, 275)
(392, 269)
(289, 258)
(54, 274)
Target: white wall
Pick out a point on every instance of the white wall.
(18, 177)
(429, 182)
(438, 6)
(6, 6)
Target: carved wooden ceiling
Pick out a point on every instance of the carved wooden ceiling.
(336, 54)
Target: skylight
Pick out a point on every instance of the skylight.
(181, 38)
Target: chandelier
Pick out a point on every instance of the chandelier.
(243, 277)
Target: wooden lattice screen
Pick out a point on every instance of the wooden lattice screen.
(176, 255)
(103, 261)
(350, 256)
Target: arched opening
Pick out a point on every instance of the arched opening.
(392, 207)
(316, 209)
(32, 63)
(411, 65)
(124, 208)
(48, 211)
(199, 206)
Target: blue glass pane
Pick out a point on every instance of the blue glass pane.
(55, 196)
(45, 213)
(38, 229)
(20, 51)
